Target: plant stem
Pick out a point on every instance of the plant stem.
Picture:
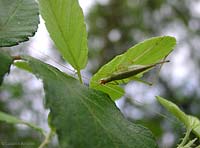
(185, 139)
(16, 58)
(35, 127)
(47, 139)
(79, 76)
(190, 143)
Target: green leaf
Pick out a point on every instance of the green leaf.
(9, 119)
(86, 118)
(174, 109)
(5, 63)
(13, 120)
(18, 21)
(147, 52)
(189, 121)
(23, 65)
(65, 23)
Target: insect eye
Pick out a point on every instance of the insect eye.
(102, 81)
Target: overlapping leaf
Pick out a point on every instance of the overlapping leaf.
(18, 21)
(147, 52)
(190, 122)
(5, 63)
(85, 117)
(65, 22)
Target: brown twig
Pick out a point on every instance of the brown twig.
(16, 58)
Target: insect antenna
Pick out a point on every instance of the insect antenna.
(155, 79)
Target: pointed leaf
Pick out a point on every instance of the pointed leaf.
(190, 122)
(65, 22)
(85, 117)
(9, 119)
(5, 63)
(147, 52)
(13, 120)
(18, 21)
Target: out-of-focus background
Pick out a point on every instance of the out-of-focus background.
(113, 27)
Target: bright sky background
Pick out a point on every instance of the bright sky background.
(85, 4)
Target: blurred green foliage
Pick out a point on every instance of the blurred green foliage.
(11, 134)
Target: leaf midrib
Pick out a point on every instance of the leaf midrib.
(12, 14)
(110, 135)
(63, 36)
(149, 49)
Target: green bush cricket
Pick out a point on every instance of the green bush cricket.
(130, 71)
